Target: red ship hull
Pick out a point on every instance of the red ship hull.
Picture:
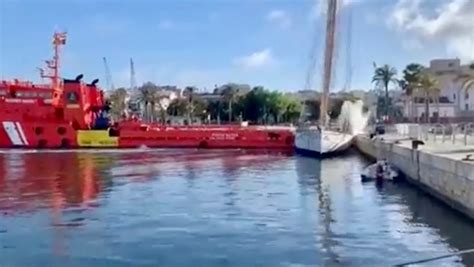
(34, 135)
(74, 114)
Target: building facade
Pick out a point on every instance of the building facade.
(456, 96)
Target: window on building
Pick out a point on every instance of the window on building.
(466, 107)
(454, 96)
(450, 65)
(466, 95)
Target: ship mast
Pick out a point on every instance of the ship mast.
(328, 60)
(59, 39)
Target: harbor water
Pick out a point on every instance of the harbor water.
(215, 208)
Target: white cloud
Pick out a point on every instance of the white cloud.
(450, 23)
(280, 17)
(257, 59)
(166, 25)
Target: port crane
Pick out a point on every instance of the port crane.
(108, 76)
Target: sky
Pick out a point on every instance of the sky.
(212, 42)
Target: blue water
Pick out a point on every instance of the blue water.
(214, 208)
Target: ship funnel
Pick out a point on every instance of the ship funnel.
(94, 82)
(79, 77)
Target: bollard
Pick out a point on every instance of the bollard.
(416, 143)
(444, 133)
(453, 133)
(465, 135)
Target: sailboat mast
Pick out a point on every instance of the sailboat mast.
(328, 59)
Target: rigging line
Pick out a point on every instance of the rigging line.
(348, 63)
(313, 53)
(467, 251)
(312, 65)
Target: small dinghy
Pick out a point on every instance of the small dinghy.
(379, 171)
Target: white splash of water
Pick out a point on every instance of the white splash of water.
(353, 119)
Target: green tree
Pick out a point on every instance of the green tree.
(275, 105)
(200, 108)
(254, 104)
(178, 107)
(215, 109)
(118, 100)
(383, 76)
(411, 81)
(229, 93)
(147, 96)
(189, 91)
(292, 109)
(428, 87)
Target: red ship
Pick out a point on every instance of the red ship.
(74, 114)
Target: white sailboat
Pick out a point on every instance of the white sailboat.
(320, 140)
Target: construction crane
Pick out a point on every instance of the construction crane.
(133, 80)
(108, 76)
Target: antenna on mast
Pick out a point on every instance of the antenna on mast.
(59, 39)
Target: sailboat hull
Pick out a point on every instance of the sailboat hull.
(317, 143)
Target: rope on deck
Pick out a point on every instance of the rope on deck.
(467, 251)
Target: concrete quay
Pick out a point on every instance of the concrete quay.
(441, 169)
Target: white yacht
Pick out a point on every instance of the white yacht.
(314, 141)
(319, 140)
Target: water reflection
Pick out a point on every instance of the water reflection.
(61, 180)
(424, 211)
(218, 207)
(52, 180)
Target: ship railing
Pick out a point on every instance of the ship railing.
(448, 133)
(223, 128)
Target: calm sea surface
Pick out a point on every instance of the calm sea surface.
(214, 208)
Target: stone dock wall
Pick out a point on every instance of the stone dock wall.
(448, 179)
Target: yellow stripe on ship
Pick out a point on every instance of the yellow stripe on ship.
(96, 138)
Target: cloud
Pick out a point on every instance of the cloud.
(450, 23)
(166, 25)
(257, 59)
(280, 17)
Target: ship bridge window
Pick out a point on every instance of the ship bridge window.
(72, 97)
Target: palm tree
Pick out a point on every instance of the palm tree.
(190, 90)
(383, 76)
(411, 81)
(230, 92)
(428, 87)
(118, 99)
(147, 97)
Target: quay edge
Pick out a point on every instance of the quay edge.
(442, 175)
